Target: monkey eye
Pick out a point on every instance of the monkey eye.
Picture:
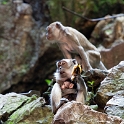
(61, 63)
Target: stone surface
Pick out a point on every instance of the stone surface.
(20, 109)
(115, 106)
(77, 113)
(23, 50)
(111, 85)
(113, 55)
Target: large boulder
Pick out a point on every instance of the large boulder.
(111, 85)
(115, 106)
(21, 109)
(77, 113)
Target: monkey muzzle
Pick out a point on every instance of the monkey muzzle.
(61, 72)
(48, 33)
(47, 36)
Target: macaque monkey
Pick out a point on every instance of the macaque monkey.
(72, 41)
(62, 74)
(67, 85)
(69, 90)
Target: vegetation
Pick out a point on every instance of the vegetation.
(88, 8)
(90, 84)
(4, 1)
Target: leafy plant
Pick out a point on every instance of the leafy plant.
(50, 85)
(91, 95)
(48, 82)
(90, 84)
(4, 1)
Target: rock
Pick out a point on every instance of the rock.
(21, 109)
(111, 85)
(17, 108)
(16, 46)
(77, 113)
(108, 32)
(23, 49)
(95, 76)
(108, 36)
(112, 56)
(115, 106)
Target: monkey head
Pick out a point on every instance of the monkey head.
(53, 31)
(64, 69)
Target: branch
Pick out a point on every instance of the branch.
(93, 20)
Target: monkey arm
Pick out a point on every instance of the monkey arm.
(85, 62)
(82, 89)
(65, 52)
(95, 59)
(74, 40)
(56, 95)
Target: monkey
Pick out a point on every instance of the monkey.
(68, 85)
(62, 74)
(72, 41)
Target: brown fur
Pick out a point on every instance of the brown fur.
(63, 72)
(72, 41)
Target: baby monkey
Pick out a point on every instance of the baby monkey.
(69, 85)
(72, 41)
(69, 90)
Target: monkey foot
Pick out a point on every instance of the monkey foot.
(64, 99)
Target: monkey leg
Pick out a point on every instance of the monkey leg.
(56, 95)
(95, 59)
(84, 59)
(101, 66)
(82, 89)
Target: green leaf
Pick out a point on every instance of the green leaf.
(48, 81)
(4, 2)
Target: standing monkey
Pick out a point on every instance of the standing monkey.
(63, 73)
(71, 41)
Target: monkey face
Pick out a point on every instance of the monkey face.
(52, 31)
(65, 67)
(49, 34)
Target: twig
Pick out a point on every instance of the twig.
(93, 20)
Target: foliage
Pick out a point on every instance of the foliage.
(50, 86)
(57, 13)
(48, 82)
(89, 8)
(4, 1)
(91, 95)
(90, 84)
(102, 7)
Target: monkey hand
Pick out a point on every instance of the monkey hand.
(62, 101)
(76, 71)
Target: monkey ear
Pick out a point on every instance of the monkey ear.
(57, 63)
(58, 25)
(74, 61)
(71, 85)
(67, 32)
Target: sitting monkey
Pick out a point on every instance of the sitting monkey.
(63, 73)
(72, 41)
